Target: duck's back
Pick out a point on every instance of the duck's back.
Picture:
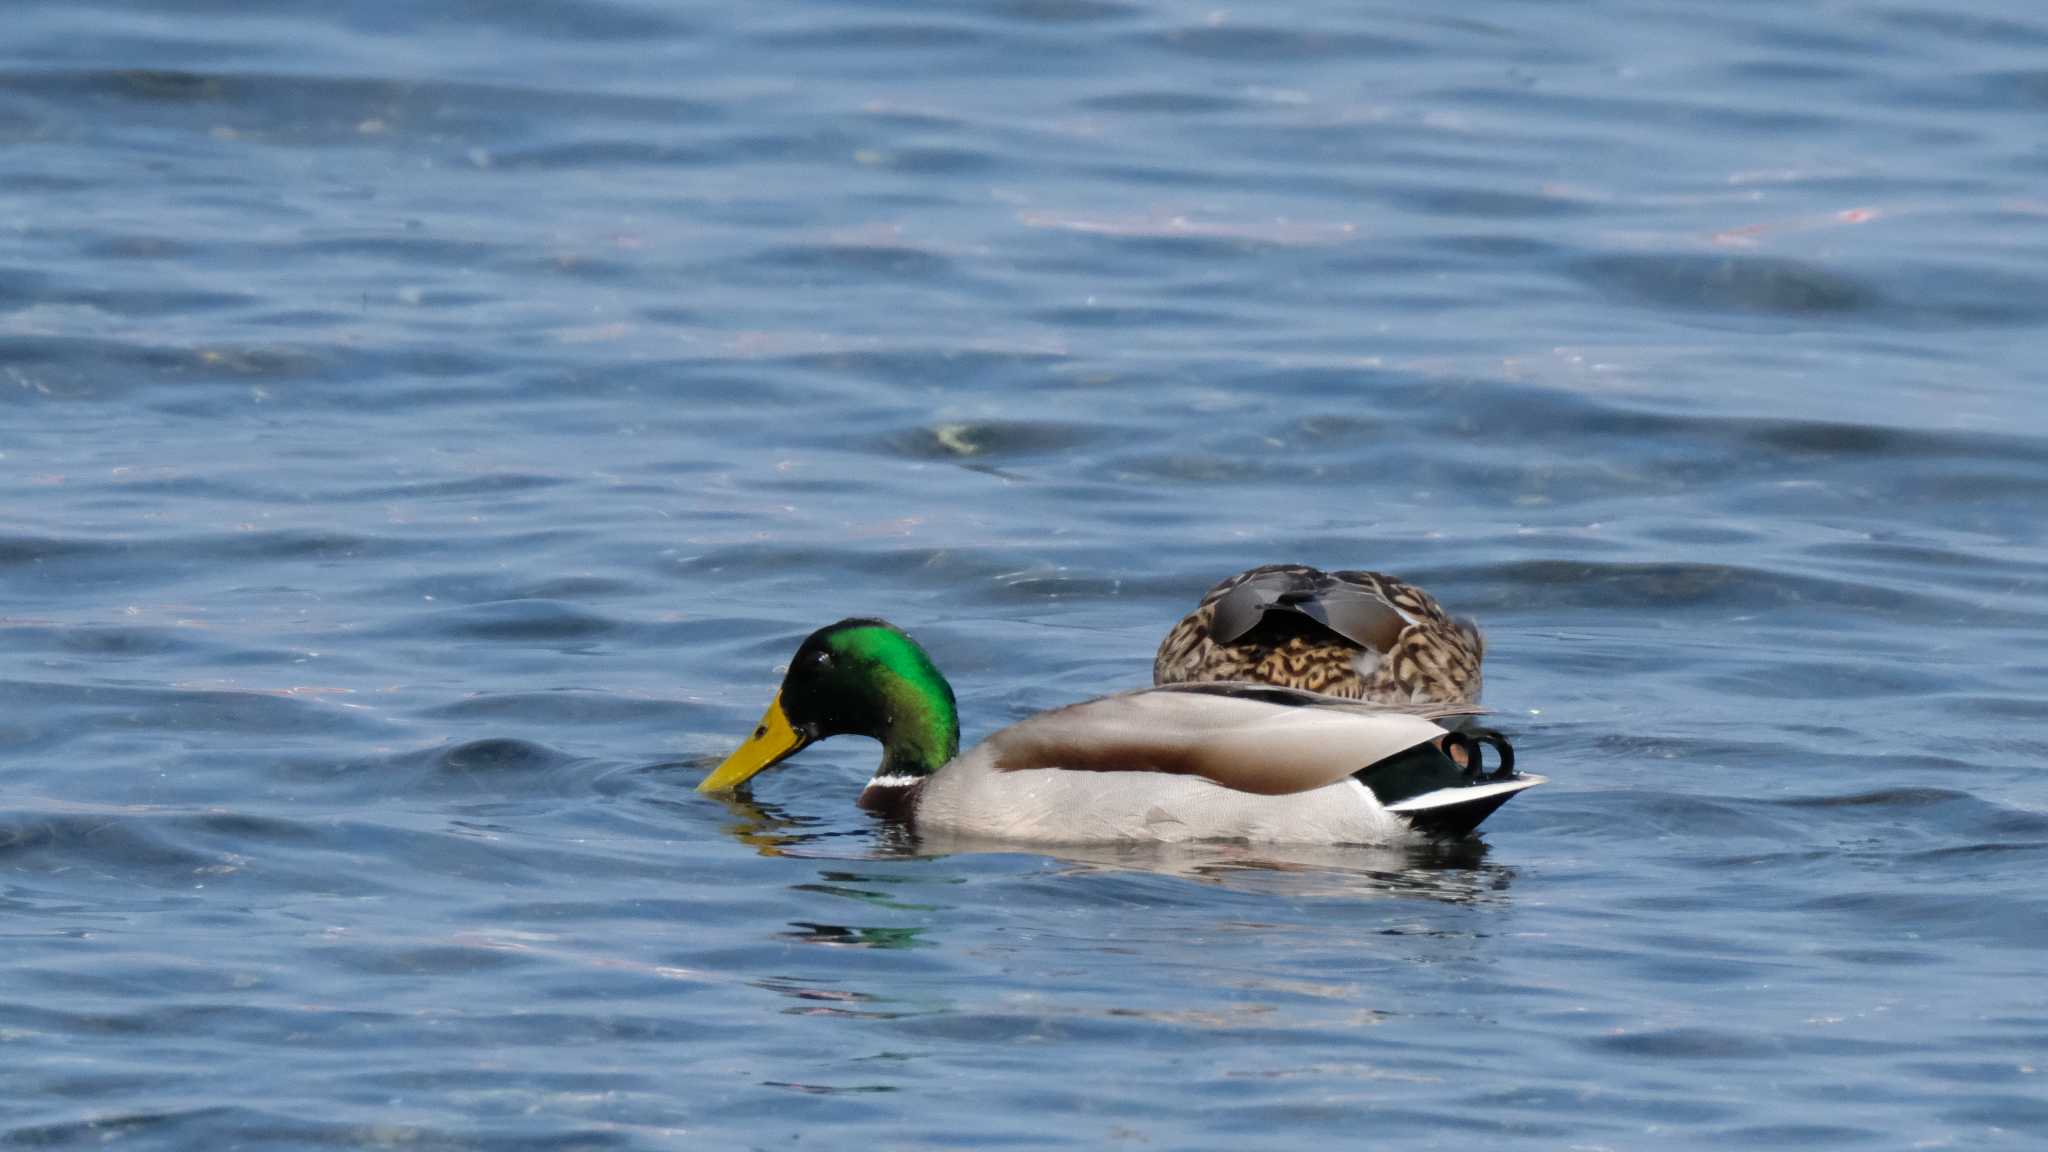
(1356, 634)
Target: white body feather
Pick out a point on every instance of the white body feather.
(1055, 806)
(1011, 786)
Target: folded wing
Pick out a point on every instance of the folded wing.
(1251, 738)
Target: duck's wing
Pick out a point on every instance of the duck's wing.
(1250, 738)
(1354, 605)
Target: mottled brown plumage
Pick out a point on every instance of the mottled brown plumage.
(1360, 635)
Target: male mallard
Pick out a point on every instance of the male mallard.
(1360, 635)
(1187, 762)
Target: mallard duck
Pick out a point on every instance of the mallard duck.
(1360, 635)
(1183, 762)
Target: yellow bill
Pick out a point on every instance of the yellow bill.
(773, 741)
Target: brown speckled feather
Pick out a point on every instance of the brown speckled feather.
(1319, 631)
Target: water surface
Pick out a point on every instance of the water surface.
(426, 428)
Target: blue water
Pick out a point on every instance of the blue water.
(425, 428)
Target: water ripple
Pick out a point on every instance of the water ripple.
(429, 430)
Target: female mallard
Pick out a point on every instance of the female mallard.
(1360, 635)
(1189, 762)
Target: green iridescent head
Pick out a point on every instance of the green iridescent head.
(855, 678)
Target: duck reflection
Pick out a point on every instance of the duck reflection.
(816, 998)
(1453, 871)
(856, 936)
(865, 888)
(770, 829)
(773, 830)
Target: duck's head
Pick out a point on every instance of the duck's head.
(858, 677)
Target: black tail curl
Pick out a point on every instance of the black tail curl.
(1457, 760)
(1469, 743)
